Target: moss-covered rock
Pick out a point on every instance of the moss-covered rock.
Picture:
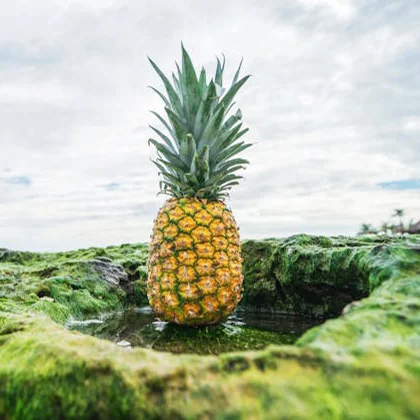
(365, 364)
(80, 283)
(307, 275)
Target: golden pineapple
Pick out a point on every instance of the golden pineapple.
(195, 272)
(195, 262)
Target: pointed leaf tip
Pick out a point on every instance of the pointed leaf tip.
(235, 78)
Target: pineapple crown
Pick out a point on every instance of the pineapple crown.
(197, 156)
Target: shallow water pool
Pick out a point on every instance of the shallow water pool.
(243, 330)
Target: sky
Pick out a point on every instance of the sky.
(333, 107)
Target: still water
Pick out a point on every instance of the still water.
(138, 327)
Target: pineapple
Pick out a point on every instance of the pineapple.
(195, 265)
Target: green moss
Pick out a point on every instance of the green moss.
(140, 293)
(363, 365)
(56, 311)
(69, 279)
(317, 276)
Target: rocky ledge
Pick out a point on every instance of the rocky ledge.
(363, 364)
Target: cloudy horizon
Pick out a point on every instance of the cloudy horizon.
(333, 107)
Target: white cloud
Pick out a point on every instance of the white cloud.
(342, 9)
(332, 106)
(43, 93)
(411, 124)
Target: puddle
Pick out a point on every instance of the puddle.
(138, 327)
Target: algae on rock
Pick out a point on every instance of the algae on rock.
(364, 364)
(76, 281)
(313, 276)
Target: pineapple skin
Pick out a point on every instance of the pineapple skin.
(195, 265)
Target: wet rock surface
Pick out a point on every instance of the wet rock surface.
(111, 273)
(313, 277)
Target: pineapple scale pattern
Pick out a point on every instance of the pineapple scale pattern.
(195, 266)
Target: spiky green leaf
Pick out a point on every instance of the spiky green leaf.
(235, 78)
(193, 95)
(165, 138)
(168, 155)
(199, 155)
(188, 149)
(220, 67)
(202, 82)
(177, 124)
(172, 95)
(233, 90)
(161, 95)
(205, 110)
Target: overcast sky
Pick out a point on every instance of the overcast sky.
(333, 107)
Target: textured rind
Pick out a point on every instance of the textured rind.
(363, 365)
(195, 265)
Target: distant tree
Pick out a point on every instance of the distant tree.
(411, 228)
(366, 228)
(385, 227)
(400, 214)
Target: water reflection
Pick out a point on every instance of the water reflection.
(243, 330)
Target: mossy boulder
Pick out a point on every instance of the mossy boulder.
(364, 364)
(308, 275)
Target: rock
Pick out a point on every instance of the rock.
(123, 343)
(350, 307)
(6, 254)
(363, 365)
(305, 275)
(111, 273)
